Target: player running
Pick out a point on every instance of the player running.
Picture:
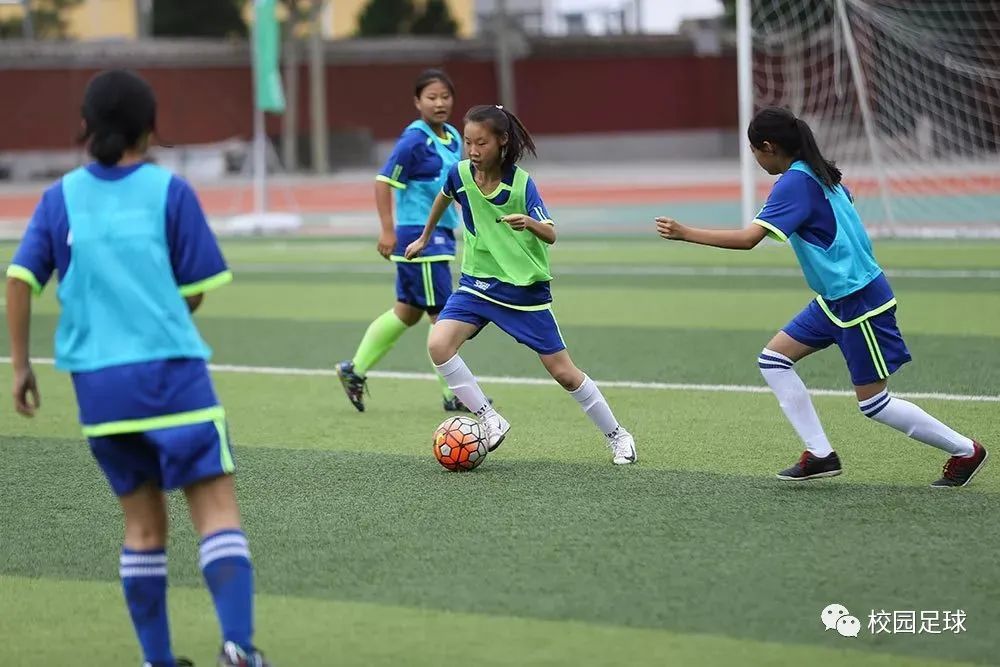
(855, 307)
(415, 171)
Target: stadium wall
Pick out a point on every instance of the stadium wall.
(620, 97)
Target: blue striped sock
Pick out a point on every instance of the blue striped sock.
(225, 563)
(144, 581)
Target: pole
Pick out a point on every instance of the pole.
(259, 163)
(317, 98)
(290, 121)
(27, 23)
(866, 111)
(504, 58)
(744, 64)
(259, 139)
(144, 18)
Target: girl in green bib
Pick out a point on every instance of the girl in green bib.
(505, 273)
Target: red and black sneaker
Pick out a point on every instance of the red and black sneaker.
(812, 467)
(959, 470)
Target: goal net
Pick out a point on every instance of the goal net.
(903, 94)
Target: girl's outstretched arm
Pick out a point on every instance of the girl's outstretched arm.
(733, 239)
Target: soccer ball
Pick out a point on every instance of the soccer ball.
(460, 444)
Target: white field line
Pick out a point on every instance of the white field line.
(315, 268)
(612, 270)
(524, 381)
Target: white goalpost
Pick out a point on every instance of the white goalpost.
(904, 95)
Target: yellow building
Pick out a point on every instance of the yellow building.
(94, 19)
(117, 19)
(103, 19)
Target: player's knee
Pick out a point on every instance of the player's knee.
(569, 377)
(146, 535)
(440, 349)
(411, 317)
(769, 361)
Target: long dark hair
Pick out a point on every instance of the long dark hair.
(429, 76)
(503, 122)
(794, 137)
(119, 110)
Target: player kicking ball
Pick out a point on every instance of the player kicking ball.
(505, 274)
(855, 307)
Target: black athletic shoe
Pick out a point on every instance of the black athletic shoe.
(355, 386)
(959, 471)
(233, 656)
(454, 404)
(178, 662)
(812, 467)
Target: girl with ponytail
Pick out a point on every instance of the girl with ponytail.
(505, 274)
(855, 307)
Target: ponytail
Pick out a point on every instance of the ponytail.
(107, 147)
(825, 170)
(795, 138)
(119, 114)
(504, 123)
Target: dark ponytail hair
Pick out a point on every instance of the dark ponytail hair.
(795, 138)
(503, 122)
(429, 76)
(119, 111)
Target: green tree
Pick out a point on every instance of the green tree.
(198, 18)
(386, 17)
(48, 20)
(436, 19)
(729, 12)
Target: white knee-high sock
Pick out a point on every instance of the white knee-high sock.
(917, 424)
(461, 381)
(590, 398)
(793, 397)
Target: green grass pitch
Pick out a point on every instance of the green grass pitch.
(368, 553)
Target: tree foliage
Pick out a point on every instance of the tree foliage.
(399, 17)
(48, 19)
(198, 18)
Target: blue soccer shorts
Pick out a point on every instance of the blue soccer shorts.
(537, 329)
(172, 458)
(424, 285)
(873, 349)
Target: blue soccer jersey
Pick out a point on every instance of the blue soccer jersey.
(128, 243)
(833, 248)
(416, 169)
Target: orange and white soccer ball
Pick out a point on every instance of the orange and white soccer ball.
(460, 443)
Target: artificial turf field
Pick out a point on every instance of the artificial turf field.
(368, 553)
